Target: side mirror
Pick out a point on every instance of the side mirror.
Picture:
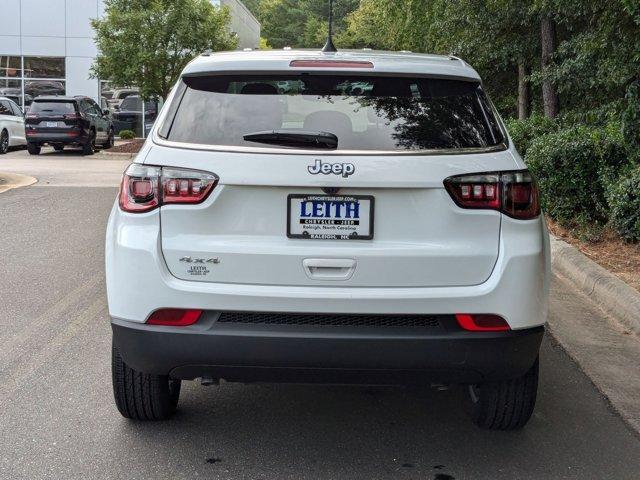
(106, 112)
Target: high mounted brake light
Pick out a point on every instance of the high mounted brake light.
(145, 188)
(330, 64)
(513, 193)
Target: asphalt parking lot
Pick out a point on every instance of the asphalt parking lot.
(58, 419)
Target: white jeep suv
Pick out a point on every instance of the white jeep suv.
(317, 232)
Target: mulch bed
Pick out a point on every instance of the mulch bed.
(132, 146)
(609, 251)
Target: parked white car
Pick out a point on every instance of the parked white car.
(374, 225)
(11, 125)
(118, 96)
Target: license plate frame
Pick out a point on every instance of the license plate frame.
(332, 236)
(51, 124)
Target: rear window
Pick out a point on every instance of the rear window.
(365, 113)
(53, 108)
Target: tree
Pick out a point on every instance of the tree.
(147, 43)
(300, 23)
(548, 41)
(498, 37)
(283, 22)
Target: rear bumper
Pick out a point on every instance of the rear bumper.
(267, 353)
(78, 137)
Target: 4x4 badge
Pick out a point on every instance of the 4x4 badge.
(344, 169)
(200, 260)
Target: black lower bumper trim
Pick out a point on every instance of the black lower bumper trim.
(251, 353)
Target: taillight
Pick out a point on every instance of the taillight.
(31, 116)
(513, 193)
(71, 116)
(145, 188)
(482, 322)
(174, 317)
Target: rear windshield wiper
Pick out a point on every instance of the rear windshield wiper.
(295, 138)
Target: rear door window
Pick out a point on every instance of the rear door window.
(372, 113)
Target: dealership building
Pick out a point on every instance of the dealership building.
(47, 46)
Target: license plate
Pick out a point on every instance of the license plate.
(330, 217)
(51, 124)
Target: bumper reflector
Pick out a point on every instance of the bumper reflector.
(174, 317)
(482, 322)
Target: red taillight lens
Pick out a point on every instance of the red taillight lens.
(146, 187)
(513, 193)
(521, 197)
(174, 317)
(139, 191)
(31, 116)
(186, 186)
(71, 116)
(482, 322)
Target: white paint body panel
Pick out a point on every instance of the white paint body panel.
(428, 255)
(14, 125)
(139, 282)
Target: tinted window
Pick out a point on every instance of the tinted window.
(87, 107)
(365, 113)
(5, 109)
(16, 109)
(53, 108)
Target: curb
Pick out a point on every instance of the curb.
(613, 295)
(122, 156)
(9, 181)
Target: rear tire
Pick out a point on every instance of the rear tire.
(90, 147)
(33, 149)
(142, 396)
(110, 140)
(58, 148)
(505, 405)
(4, 142)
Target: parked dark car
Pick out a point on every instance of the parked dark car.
(129, 115)
(62, 121)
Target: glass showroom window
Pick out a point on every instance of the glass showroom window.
(43, 76)
(24, 78)
(11, 78)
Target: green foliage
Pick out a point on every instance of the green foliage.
(127, 134)
(624, 201)
(147, 43)
(524, 132)
(631, 119)
(574, 167)
(300, 23)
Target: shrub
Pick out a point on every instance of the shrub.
(624, 200)
(574, 168)
(524, 132)
(127, 134)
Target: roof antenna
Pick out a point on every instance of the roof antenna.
(329, 47)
